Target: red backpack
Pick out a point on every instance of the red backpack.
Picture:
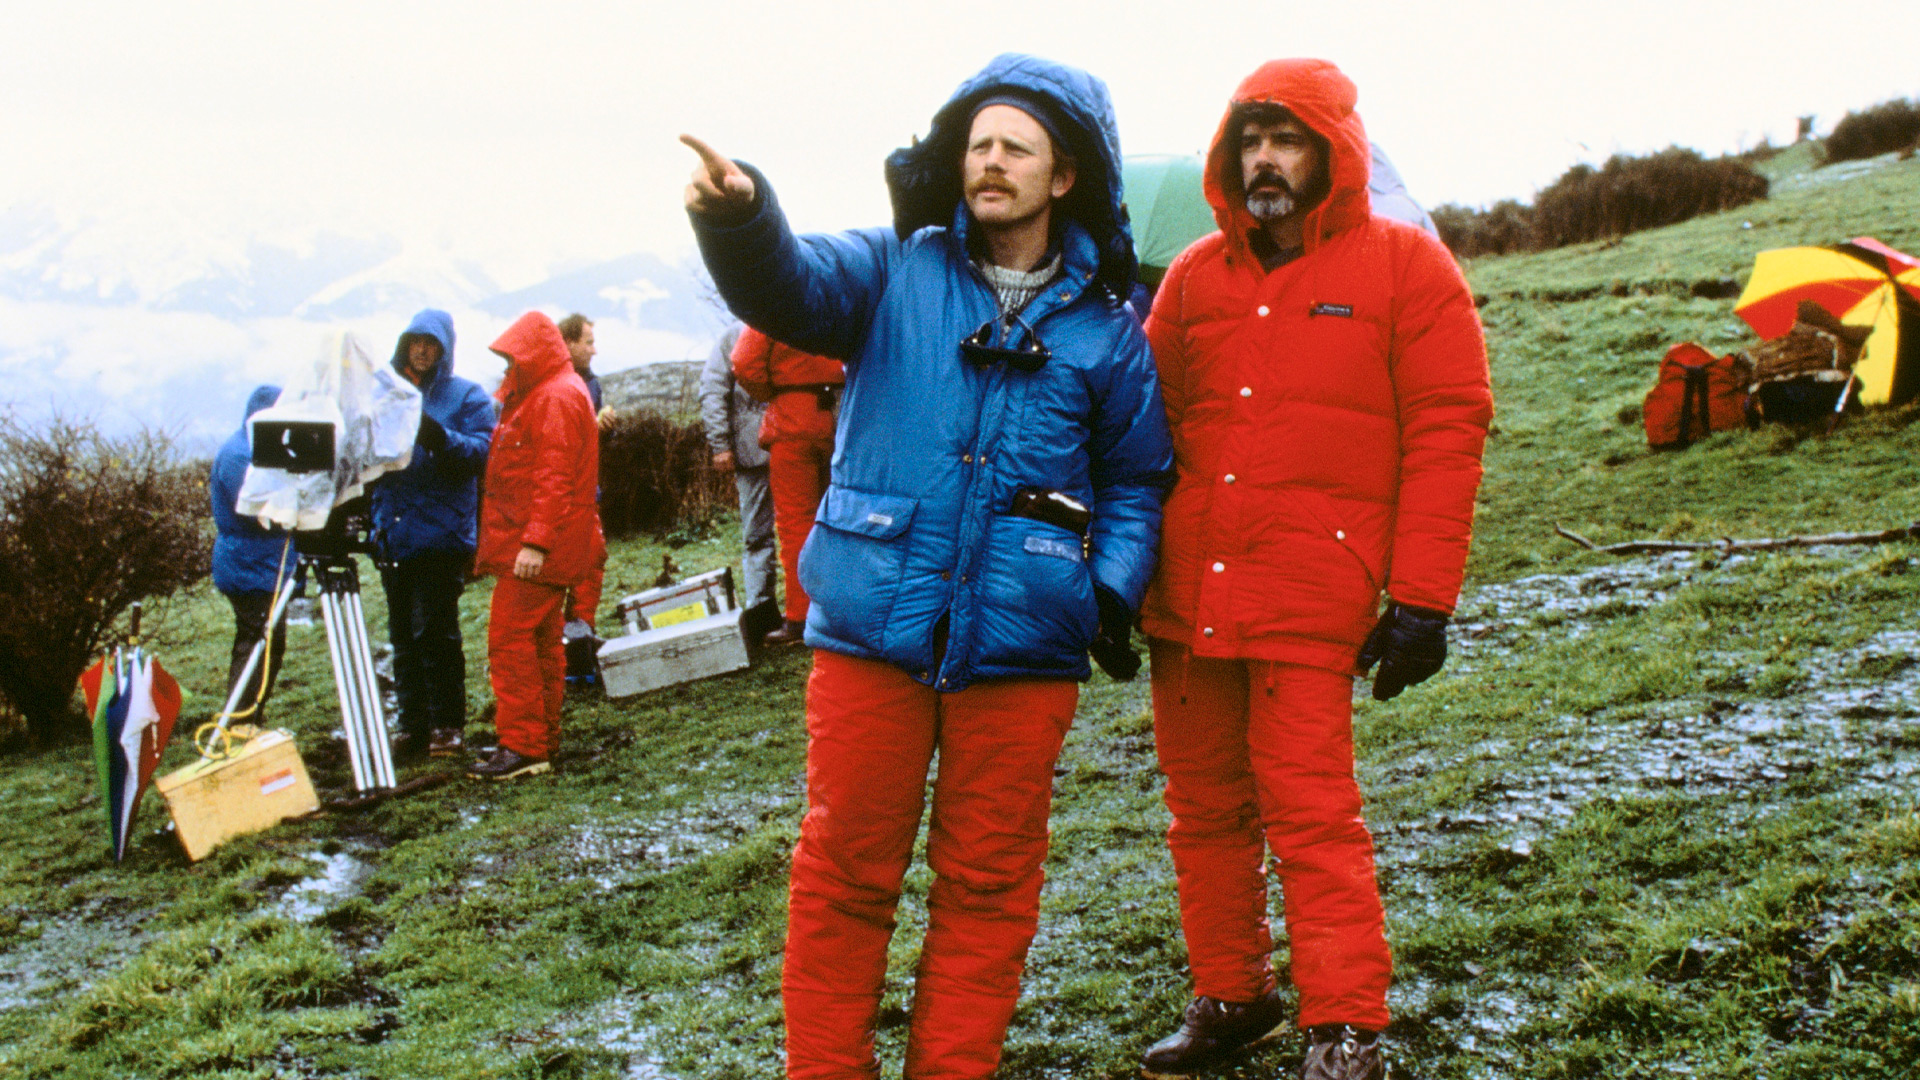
(1696, 393)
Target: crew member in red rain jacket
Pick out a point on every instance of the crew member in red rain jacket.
(1325, 379)
(797, 431)
(539, 534)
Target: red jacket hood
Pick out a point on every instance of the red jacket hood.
(535, 352)
(1323, 99)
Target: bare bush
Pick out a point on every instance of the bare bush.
(1884, 128)
(1625, 195)
(655, 476)
(88, 525)
(1628, 194)
(1503, 228)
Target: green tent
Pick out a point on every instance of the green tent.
(1169, 209)
(1166, 206)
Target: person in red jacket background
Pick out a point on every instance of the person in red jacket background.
(797, 430)
(539, 535)
(1325, 379)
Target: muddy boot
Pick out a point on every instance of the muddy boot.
(1343, 1052)
(505, 764)
(790, 633)
(1211, 1031)
(759, 620)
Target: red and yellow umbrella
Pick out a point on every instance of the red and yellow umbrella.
(1863, 283)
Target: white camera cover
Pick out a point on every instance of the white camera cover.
(374, 413)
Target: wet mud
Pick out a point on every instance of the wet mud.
(1849, 717)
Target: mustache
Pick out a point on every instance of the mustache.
(1265, 179)
(990, 183)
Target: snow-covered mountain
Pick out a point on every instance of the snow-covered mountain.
(154, 320)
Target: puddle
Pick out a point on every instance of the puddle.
(342, 875)
(612, 852)
(612, 1026)
(1497, 619)
(69, 955)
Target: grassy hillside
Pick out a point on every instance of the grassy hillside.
(1659, 816)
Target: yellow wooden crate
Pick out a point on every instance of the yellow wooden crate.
(216, 799)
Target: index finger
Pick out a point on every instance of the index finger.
(717, 165)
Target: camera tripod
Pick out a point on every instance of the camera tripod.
(351, 654)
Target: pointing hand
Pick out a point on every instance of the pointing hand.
(718, 185)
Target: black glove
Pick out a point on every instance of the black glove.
(1112, 647)
(431, 435)
(1408, 643)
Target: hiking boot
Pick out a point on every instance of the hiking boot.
(410, 747)
(1343, 1052)
(1210, 1031)
(506, 764)
(758, 620)
(446, 742)
(790, 633)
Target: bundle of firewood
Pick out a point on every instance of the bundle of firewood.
(1818, 348)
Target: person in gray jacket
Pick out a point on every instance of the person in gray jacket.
(732, 420)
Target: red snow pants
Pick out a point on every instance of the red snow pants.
(872, 731)
(527, 664)
(583, 599)
(1260, 754)
(797, 469)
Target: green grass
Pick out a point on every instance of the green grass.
(1658, 817)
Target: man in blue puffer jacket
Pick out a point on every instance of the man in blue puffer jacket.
(250, 563)
(1001, 454)
(425, 519)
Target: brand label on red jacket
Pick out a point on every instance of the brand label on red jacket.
(1344, 311)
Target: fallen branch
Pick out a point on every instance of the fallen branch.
(1728, 543)
(414, 786)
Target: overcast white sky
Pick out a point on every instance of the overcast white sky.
(529, 134)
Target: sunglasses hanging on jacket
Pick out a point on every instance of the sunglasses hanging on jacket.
(978, 349)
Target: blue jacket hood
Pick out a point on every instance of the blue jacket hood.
(432, 505)
(246, 557)
(924, 179)
(437, 325)
(262, 397)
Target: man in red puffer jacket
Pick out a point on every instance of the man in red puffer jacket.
(540, 535)
(801, 390)
(1325, 379)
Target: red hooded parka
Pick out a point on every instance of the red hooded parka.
(544, 469)
(541, 485)
(1328, 417)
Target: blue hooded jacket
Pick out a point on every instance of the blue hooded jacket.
(434, 503)
(246, 557)
(930, 449)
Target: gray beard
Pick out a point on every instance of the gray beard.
(1269, 206)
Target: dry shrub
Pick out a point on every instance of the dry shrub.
(88, 525)
(1884, 128)
(1628, 194)
(1503, 228)
(656, 476)
(1625, 195)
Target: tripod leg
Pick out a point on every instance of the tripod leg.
(372, 718)
(353, 677)
(344, 686)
